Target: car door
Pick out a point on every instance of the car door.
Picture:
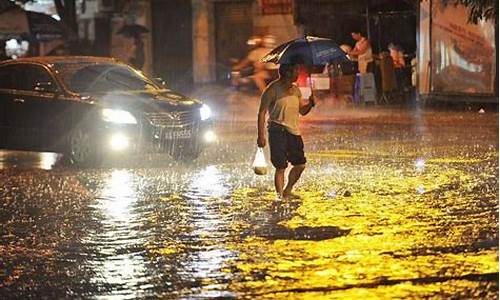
(30, 108)
(7, 131)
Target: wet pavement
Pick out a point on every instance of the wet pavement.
(394, 203)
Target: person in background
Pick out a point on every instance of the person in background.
(398, 60)
(414, 72)
(283, 101)
(262, 71)
(139, 58)
(397, 55)
(362, 51)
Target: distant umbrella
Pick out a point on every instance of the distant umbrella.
(18, 23)
(133, 30)
(308, 50)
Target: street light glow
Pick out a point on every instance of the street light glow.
(119, 142)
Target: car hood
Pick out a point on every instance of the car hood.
(146, 101)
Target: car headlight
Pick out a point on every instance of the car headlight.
(118, 116)
(205, 112)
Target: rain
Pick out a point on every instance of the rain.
(393, 203)
(136, 140)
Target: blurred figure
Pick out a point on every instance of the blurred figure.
(261, 72)
(362, 51)
(398, 60)
(414, 71)
(397, 55)
(139, 58)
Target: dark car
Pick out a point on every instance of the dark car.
(90, 107)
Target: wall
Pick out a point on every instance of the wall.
(280, 25)
(204, 48)
(203, 41)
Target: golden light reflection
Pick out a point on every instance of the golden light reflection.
(404, 240)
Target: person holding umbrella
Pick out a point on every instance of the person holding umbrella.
(135, 32)
(283, 102)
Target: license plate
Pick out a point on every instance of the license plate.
(178, 134)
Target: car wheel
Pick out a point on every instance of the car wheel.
(81, 149)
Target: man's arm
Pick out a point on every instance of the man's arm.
(360, 48)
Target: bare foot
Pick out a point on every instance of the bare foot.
(290, 195)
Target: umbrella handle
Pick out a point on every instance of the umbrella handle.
(311, 87)
(310, 80)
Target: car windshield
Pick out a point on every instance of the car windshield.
(102, 77)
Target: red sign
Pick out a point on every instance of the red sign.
(276, 7)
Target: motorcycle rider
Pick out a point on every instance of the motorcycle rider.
(262, 72)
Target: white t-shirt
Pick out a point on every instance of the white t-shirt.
(284, 104)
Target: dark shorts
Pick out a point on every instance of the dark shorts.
(285, 147)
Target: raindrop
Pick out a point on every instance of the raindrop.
(332, 194)
(420, 164)
(420, 190)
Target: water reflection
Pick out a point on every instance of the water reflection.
(385, 211)
(206, 191)
(119, 263)
(119, 197)
(41, 160)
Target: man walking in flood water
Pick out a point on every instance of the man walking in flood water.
(283, 101)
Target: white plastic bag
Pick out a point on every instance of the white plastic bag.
(259, 163)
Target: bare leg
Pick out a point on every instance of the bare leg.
(279, 181)
(293, 177)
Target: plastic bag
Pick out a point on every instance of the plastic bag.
(259, 163)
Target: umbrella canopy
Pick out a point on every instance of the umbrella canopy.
(18, 23)
(133, 30)
(308, 50)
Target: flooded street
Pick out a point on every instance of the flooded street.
(394, 203)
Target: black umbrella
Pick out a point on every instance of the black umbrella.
(18, 23)
(133, 30)
(44, 27)
(308, 50)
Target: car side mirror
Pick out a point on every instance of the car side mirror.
(45, 87)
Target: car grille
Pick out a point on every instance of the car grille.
(172, 119)
(165, 131)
